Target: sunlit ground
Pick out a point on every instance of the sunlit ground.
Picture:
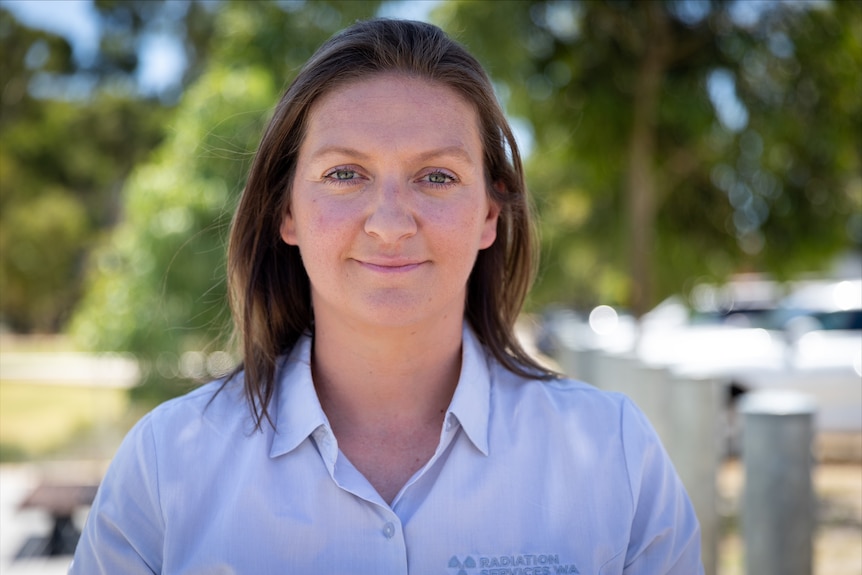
(39, 420)
(42, 419)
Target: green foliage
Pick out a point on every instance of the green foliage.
(71, 130)
(61, 165)
(127, 23)
(778, 191)
(157, 283)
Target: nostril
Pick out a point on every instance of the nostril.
(390, 226)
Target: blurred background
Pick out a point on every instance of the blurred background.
(695, 165)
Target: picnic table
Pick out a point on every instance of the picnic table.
(60, 501)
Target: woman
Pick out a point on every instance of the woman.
(385, 419)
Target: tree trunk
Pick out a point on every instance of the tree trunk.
(640, 184)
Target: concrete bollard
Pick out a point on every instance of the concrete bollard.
(585, 365)
(652, 394)
(694, 406)
(778, 516)
(567, 358)
(586, 370)
(577, 363)
(614, 372)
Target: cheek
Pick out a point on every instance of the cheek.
(458, 233)
(314, 220)
(323, 230)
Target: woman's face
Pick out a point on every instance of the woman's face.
(389, 206)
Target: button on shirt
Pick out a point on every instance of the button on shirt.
(529, 478)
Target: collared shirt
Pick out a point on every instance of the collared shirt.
(529, 478)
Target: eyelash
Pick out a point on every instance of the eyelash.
(330, 178)
(450, 179)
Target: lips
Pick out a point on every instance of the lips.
(390, 265)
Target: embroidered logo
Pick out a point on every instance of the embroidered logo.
(540, 564)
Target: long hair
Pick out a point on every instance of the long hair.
(269, 289)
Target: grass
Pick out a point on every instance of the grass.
(40, 420)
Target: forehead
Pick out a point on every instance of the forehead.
(390, 105)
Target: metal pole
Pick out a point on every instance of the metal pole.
(778, 502)
(695, 404)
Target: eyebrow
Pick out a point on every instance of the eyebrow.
(456, 152)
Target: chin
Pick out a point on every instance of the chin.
(406, 312)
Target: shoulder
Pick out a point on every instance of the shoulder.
(561, 396)
(218, 408)
(576, 415)
(217, 398)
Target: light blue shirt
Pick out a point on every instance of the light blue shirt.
(529, 478)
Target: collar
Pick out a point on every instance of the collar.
(298, 412)
(471, 403)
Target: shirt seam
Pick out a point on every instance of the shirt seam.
(157, 474)
(625, 452)
(611, 560)
(623, 406)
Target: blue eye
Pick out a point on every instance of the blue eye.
(343, 174)
(439, 179)
(342, 177)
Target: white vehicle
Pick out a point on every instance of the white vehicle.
(751, 334)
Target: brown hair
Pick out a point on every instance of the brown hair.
(269, 288)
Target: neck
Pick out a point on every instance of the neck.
(386, 376)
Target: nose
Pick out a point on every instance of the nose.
(391, 218)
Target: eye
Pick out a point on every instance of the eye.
(342, 174)
(439, 178)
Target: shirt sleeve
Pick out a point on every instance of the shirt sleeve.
(665, 535)
(124, 531)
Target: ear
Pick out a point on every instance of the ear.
(288, 229)
(489, 227)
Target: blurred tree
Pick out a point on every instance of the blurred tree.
(679, 139)
(60, 163)
(128, 25)
(70, 132)
(157, 283)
